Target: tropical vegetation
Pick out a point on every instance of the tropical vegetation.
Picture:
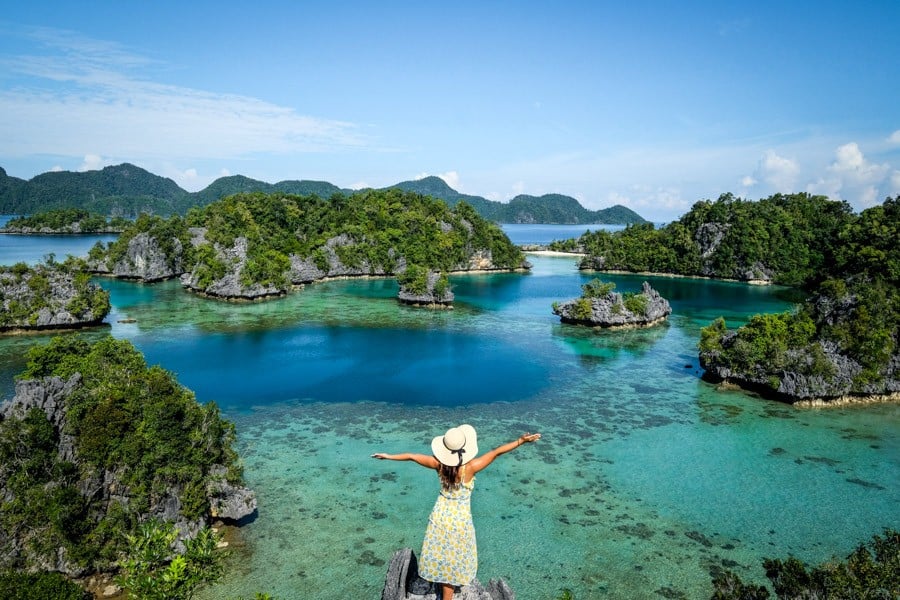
(122, 419)
(378, 232)
(68, 220)
(788, 239)
(870, 572)
(853, 314)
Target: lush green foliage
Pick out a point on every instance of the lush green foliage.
(635, 303)
(796, 236)
(39, 586)
(125, 418)
(377, 228)
(595, 288)
(856, 307)
(151, 572)
(870, 572)
(64, 218)
(414, 279)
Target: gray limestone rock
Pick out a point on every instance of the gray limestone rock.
(610, 312)
(46, 297)
(145, 260)
(402, 582)
(226, 500)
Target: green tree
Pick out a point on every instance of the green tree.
(152, 570)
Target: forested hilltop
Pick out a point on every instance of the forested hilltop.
(128, 190)
(549, 208)
(255, 245)
(842, 344)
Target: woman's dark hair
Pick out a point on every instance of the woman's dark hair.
(449, 476)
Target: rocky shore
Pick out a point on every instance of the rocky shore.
(146, 260)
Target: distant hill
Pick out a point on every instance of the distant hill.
(549, 208)
(119, 190)
(235, 184)
(128, 190)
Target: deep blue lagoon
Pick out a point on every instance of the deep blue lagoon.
(646, 481)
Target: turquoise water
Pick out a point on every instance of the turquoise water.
(647, 479)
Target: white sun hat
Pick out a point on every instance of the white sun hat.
(456, 447)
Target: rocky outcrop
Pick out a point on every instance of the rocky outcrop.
(102, 489)
(144, 259)
(434, 295)
(402, 582)
(611, 310)
(49, 297)
(834, 382)
(230, 285)
(818, 373)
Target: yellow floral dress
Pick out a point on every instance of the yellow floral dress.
(449, 554)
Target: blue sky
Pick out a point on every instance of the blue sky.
(653, 105)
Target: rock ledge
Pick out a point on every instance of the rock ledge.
(402, 582)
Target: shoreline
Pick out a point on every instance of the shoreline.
(554, 253)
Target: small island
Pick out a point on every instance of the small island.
(257, 246)
(421, 287)
(65, 221)
(49, 296)
(599, 306)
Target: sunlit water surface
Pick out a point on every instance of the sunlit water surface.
(647, 479)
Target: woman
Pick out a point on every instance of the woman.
(449, 553)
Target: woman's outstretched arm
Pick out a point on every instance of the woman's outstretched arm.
(421, 459)
(480, 462)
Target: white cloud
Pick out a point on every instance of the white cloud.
(894, 188)
(420, 176)
(56, 169)
(853, 178)
(94, 162)
(777, 171)
(451, 178)
(748, 181)
(851, 164)
(96, 102)
(894, 137)
(359, 185)
(224, 173)
(518, 188)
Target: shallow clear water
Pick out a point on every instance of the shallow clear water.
(646, 479)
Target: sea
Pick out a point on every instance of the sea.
(647, 480)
